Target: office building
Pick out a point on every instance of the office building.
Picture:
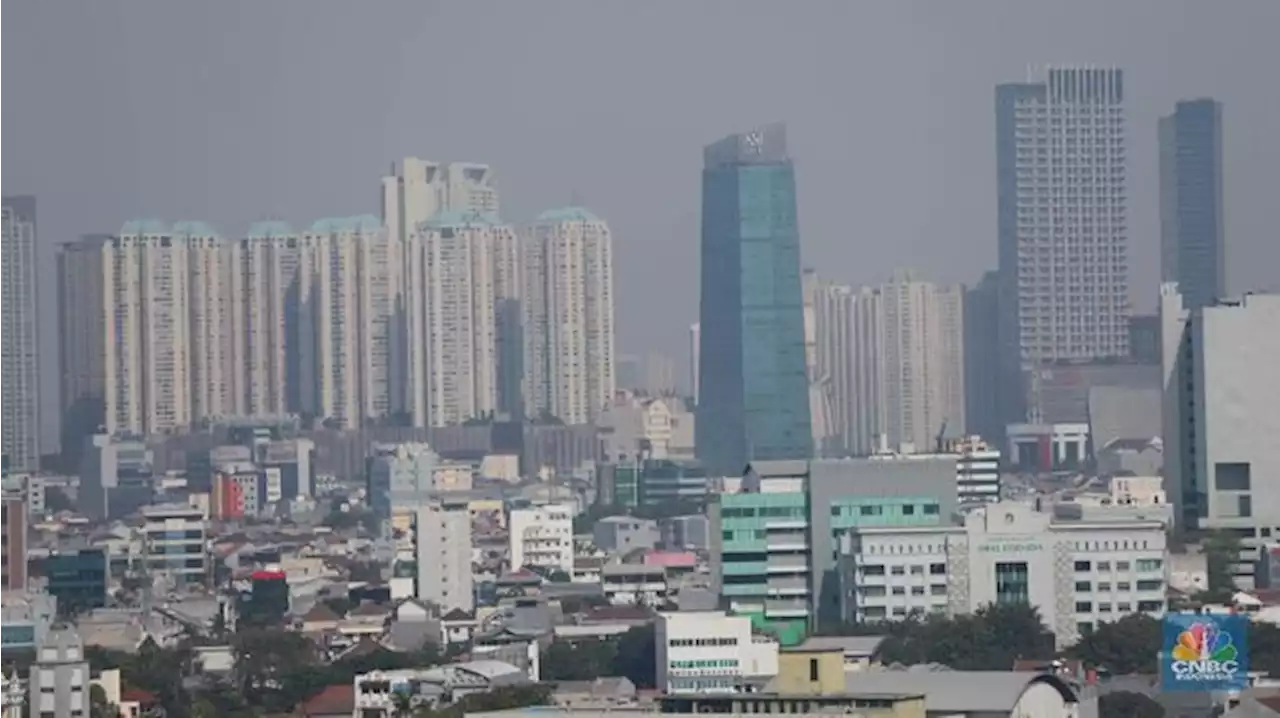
(116, 476)
(174, 544)
(82, 341)
(656, 482)
(461, 280)
(1061, 165)
(695, 342)
(541, 537)
(1192, 235)
(77, 579)
(977, 470)
(442, 556)
(621, 535)
(569, 325)
(773, 535)
(982, 388)
(712, 652)
(19, 336)
(1221, 387)
(59, 680)
(1077, 574)
(26, 619)
(753, 388)
(685, 533)
(401, 477)
(14, 535)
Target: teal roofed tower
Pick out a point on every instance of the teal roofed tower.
(340, 225)
(569, 214)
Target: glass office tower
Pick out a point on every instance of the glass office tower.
(753, 389)
(1192, 250)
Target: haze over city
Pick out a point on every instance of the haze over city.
(439, 358)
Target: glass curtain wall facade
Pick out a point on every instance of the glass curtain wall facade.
(753, 387)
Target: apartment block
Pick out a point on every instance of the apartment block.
(442, 556)
(19, 336)
(541, 537)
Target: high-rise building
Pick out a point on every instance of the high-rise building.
(695, 341)
(461, 282)
(982, 387)
(1062, 222)
(14, 561)
(753, 388)
(443, 546)
(1192, 243)
(82, 341)
(542, 537)
(266, 320)
(913, 326)
(569, 325)
(420, 189)
(19, 336)
(1221, 387)
(400, 478)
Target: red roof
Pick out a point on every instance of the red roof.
(333, 700)
(139, 696)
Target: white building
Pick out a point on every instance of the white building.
(542, 536)
(60, 677)
(629, 584)
(913, 325)
(19, 336)
(711, 652)
(443, 548)
(1077, 573)
(656, 428)
(420, 189)
(174, 543)
(1221, 377)
(461, 280)
(569, 329)
(977, 471)
(695, 338)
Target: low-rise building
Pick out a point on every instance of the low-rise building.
(542, 537)
(59, 679)
(174, 543)
(622, 534)
(707, 652)
(1077, 573)
(376, 691)
(977, 471)
(633, 583)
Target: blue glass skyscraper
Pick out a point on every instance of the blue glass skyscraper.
(1192, 250)
(753, 401)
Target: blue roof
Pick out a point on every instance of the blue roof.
(263, 230)
(568, 214)
(463, 218)
(358, 223)
(192, 228)
(144, 226)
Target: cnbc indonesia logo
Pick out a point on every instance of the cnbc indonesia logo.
(1204, 653)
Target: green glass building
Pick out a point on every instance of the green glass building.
(775, 540)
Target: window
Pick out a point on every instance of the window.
(1104, 586)
(1084, 586)
(1151, 606)
(937, 569)
(1149, 564)
(899, 591)
(917, 570)
(908, 510)
(873, 570)
(1012, 586)
(898, 570)
(1150, 585)
(1123, 586)
(1104, 565)
(1104, 608)
(938, 590)
(917, 590)
(813, 669)
(1083, 565)
(1122, 565)
(1084, 607)
(930, 509)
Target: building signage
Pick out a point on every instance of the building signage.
(1011, 544)
(1204, 652)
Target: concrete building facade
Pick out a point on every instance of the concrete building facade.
(60, 679)
(443, 543)
(174, 543)
(542, 537)
(1078, 574)
(19, 336)
(708, 652)
(568, 315)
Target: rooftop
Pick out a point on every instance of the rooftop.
(568, 214)
(341, 225)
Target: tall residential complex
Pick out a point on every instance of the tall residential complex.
(420, 189)
(568, 315)
(1192, 244)
(1221, 387)
(893, 361)
(753, 387)
(461, 279)
(1062, 222)
(19, 336)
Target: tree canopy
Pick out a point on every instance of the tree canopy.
(1125, 647)
(990, 639)
(1126, 704)
(630, 655)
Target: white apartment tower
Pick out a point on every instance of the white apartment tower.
(19, 336)
(1063, 224)
(419, 189)
(147, 328)
(211, 305)
(264, 270)
(569, 332)
(911, 326)
(461, 283)
(442, 548)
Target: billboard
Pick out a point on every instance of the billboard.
(1202, 652)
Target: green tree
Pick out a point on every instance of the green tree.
(990, 639)
(1126, 704)
(1125, 647)
(99, 706)
(1264, 647)
(270, 664)
(636, 656)
(630, 655)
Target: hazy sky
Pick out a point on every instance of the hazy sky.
(236, 110)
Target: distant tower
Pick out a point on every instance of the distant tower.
(19, 322)
(1192, 234)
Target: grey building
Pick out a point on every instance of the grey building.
(982, 413)
(682, 533)
(1062, 221)
(1221, 390)
(1192, 241)
(60, 680)
(621, 534)
(19, 345)
(117, 476)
